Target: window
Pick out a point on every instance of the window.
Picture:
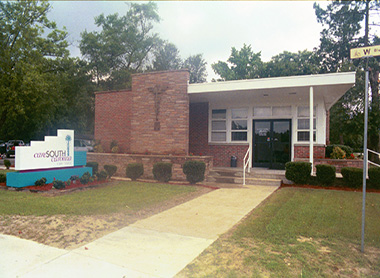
(262, 111)
(239, 124)
(303, 124)
(218, 125)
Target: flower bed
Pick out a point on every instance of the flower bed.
(73, 185)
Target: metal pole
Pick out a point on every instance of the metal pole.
(365, 153)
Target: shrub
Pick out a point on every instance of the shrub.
(98, 148)
(7, 163)
(134, 170)
(347, 149)
(3, 177)
(40, 182)
(194, 171)
(326, 174)
(338, 153)
(110, 169)
(57, 184)
(102, 175)
(115, 149)
(298, 172)
(352, 177)
(94, 166)
(162, 171)
(74, 178)
(85, 178)
(374, 178)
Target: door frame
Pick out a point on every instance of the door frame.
(270, 164)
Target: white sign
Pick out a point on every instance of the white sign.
(53, 152)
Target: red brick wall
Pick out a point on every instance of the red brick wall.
(340, 163)
(122, 160)
(198, 135)
(129, 116)
(173, 136)
(113, 119)
(302, 151)
(199, 145)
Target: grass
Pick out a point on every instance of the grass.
(121, 197)
(298, 233)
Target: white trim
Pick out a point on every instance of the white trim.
(272, 83)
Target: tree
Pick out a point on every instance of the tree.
(287, 64)
(121, 47)
(344, 21)
(242, 64)
(29, 62)
(197, 67)
(166, 57)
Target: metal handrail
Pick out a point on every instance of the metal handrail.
(246, 162)
(370, 162)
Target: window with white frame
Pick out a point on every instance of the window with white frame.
(239, 124)
(219, 125)
(303, 124)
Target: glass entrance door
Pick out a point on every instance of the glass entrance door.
(271, 143)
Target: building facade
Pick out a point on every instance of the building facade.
(275, 120)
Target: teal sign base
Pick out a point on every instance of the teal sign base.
(23, 179)
(28, 178)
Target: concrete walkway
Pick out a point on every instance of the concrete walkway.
(158, 246)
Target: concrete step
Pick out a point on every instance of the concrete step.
(248, 180)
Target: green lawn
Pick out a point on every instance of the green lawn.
(119, 197)
(298, 233)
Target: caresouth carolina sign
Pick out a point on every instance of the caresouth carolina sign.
(53, 152)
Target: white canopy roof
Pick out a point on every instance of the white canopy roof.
(330, 87)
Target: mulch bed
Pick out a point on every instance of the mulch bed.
(330, 188)
(77, 184)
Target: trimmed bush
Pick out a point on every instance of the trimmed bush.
(3, 178)
(57, 184)
(352, 177)
(347, 149)
(194, 171)
(374, 178)
(94, 165)
(7, 163)
(134, 170)
(40, 182)
(326, 174)
(85, 178)
(162, 171)
(298, 172)
(102, 175)
(110, 169)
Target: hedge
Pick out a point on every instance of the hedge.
(352, 177)
(134, 170)
(298, 172)
(194, 171)
(374, 178)
(162, 171)
(326, 174)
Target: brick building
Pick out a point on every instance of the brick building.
(272, 118)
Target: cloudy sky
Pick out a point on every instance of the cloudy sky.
(210, 28)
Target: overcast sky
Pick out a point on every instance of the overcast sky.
(210, 28)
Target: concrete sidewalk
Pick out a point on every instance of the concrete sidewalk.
(158, 246)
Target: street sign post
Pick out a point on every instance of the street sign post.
(356, 53)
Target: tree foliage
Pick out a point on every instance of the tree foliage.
(197, 67)
(122, 46)
(166, 57)
(344, 23)
(38, 82)
(242, 64)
